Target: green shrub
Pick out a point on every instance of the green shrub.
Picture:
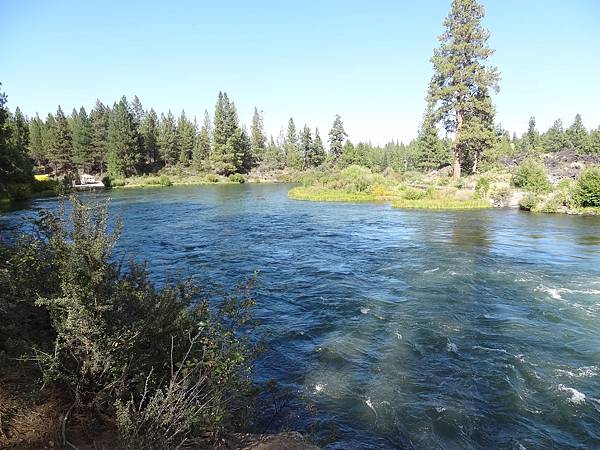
(175, 365)
(151, 181)
(237, 178)
(356, 178)
(529, 202)
(164, 180)
(587, 189)
(413, 194)
(531, 176)
(482, 187)
(44, 186)
(116, 182)
(212, 178)
(19, 191)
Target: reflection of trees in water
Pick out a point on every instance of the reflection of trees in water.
(471, 229)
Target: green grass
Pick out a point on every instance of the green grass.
(441, 203)
(317, 194)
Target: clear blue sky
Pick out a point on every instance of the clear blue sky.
(366, 60)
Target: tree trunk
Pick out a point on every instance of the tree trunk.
(457, 149)
(475, 162)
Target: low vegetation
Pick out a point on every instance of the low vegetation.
(163, 366)
(408, 190)
(574, 197)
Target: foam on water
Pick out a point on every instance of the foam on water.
(581, 372)
(576, 396)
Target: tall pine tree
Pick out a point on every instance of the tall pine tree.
(201, 155)
(83, 156)
(460, 87)
(231, 144)
(337, 136)
(431, 152)
(186, 135)
(317, 156)
(99, 135)
(36, 145)
(291, 147)
(59, 151)
(306, 147)
(258, 140)
(123, 141)
(149, 136)
(578, 135)
(167, 139)
(556, 139)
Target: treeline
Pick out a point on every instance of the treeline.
(127, 140)
(557, 138)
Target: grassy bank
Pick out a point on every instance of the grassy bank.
(407, 190)
(317, 194)
(441, 203)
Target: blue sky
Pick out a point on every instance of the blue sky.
(365, 60)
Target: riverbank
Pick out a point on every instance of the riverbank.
(528, 188)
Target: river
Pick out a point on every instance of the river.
(476, 329)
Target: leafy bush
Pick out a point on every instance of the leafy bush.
(529, 202)
(356, 178)
(116, 182)
(531, 176)
(237, 178)
(587, 189)
(174, 364)
(45, 186)
(212, 178)
(164, 180)
(482, 187)
(19, 191)
(413, 194)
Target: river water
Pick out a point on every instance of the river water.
(394, 328)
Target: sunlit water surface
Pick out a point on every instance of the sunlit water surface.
(442, 329)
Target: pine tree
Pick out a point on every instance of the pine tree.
(19, 130)
(14, 165)
(138, 111)
(123, 141)
(306, 147)
(291, 147)
(36, 145)
(201, 155)
(186, 135)
(318, 154)
(431, 152)
(533, 136)
(83, 155)
(99, 117)
(149, 136)
(258, 139)
(274, 157)
(167, 139)
(459, 89)
(337, 135)
(59, 152)
(231, 144)
(578, 135)
(556, 139)
(593, 146)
